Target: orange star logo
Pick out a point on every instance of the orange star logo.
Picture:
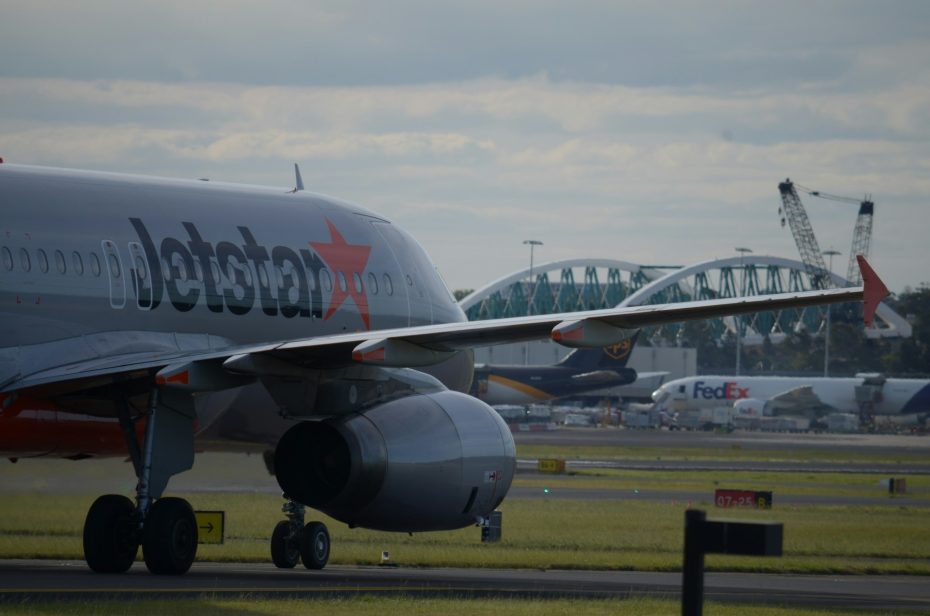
(345, 259)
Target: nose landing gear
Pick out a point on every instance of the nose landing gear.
(292, 540)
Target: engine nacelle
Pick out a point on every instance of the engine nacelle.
(434, 461)
(751, 407)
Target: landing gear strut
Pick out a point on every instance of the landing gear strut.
(165, 527)
(292, 540)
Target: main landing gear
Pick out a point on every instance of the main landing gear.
(292, 540)
(166, 528)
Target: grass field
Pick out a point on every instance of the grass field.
(408, 606)
(43, 504)
(538, 533)
(781, 483)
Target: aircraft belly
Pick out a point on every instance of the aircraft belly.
(507, 391)
(36, 428)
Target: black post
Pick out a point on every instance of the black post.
(692, 575)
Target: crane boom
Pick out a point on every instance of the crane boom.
(804, 236)
(862, 236)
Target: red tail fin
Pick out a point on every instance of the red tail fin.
(874, 289)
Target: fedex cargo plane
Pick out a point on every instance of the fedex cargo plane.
(810, 397)
(148, 318)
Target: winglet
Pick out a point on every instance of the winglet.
(300, 180)
(874, 290)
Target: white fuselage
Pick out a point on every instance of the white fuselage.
(702, 392)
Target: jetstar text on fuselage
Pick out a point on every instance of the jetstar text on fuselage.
(240, 277)
(726, 391)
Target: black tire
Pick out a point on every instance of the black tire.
(169, 537)
(314, 545)
(285, 550)
(110, 539)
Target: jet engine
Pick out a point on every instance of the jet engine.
(751, 407)
(432, 461)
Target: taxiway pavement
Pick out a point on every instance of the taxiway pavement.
(35, 580)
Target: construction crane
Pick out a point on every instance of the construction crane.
(793, 210)
(862, 233)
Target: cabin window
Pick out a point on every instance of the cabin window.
(95, 264)
(7, 259)
(77, 263)
(311, 282)
(326, 281)
(178, 265)
(198, 270)
(60, 262)
(388, 285)
(372, 283)
(140, 268)
(43, 260)
(24, 261)
(166, 270)
(343, 286)
(357, 280)
(114, 265)
(215, 271)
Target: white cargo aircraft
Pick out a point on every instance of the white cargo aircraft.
(810, 397)
(152, 317)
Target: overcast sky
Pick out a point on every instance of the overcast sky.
(649, 132)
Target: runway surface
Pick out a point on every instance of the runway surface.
(22, 580)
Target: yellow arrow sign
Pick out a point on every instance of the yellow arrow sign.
(210, 526)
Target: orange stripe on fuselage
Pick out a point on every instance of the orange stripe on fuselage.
(529, 390)
(35, 427)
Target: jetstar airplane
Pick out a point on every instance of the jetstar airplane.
(152, 317)
(581, 371)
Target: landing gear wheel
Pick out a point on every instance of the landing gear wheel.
(314, 545)
(285, 548)
(110, 538)
(169, 537)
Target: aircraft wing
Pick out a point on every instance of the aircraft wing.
(403, 347)
(798, 401)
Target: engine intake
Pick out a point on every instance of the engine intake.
(433, 461)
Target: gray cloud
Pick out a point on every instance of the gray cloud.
(648, 133)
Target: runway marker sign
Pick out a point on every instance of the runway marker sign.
(550, 465)
(211, 526)
(743, 498)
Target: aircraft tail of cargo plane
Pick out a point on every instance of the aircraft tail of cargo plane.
(579, 372)
(149, 317)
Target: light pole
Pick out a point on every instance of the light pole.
(738, 318)
(532, 244)
(826, 338)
